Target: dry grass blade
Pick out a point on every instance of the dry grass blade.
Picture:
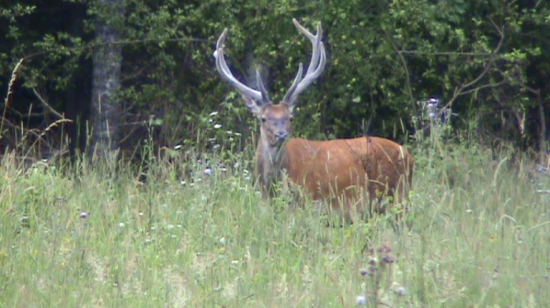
(44, 132)
(7, 101)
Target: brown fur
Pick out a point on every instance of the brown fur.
(342, 171)
(349, 173)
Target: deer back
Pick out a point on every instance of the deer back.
(329, 168)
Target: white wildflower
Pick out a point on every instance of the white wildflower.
(361, 300)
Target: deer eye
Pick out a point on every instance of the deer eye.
(291, 118)
(264, 119)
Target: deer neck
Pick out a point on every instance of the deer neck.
(269, 162)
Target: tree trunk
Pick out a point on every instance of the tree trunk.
(107, 60)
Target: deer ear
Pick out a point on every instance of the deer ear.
(252, 105)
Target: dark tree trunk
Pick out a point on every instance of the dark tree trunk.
(107, 60)
(78, 93)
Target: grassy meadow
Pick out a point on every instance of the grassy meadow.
(192, 236)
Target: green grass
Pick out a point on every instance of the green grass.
(480, 237)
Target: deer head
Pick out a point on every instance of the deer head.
(276, 118)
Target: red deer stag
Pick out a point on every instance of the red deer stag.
(343, 172)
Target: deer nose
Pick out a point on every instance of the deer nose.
(281, 135)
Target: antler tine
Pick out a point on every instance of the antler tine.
(295, 83)
(226, 74)
(315, 68)
(220, 45)
(310, 77)
(222, 38)
(315, 40)
(263, 91)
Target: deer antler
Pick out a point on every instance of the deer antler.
(300, 84)
(315, 68)
(226, 74)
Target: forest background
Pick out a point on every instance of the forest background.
(124, 70)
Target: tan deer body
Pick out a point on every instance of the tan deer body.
(348, 173)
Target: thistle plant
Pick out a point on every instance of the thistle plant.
(379, 279)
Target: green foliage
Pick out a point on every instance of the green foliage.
(489, 60)
(17, 10)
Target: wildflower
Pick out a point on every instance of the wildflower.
(177, 147)
(208, 171)
(388, 259)
(401, 291)
(371, 270)
(433, 101)
(83, 215)
(361, 300)
(384, 249)
(217, 126)
(121, 225)
(215, 113)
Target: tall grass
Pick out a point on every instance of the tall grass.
(93, 236)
